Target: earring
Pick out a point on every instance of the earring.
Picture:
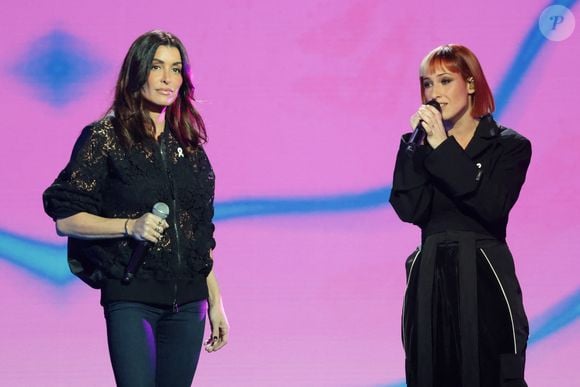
(471, 83)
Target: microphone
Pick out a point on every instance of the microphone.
(419, 133)
(161, 210)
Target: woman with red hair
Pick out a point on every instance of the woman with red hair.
(463, 318)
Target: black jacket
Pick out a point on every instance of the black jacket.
(461, 200)
(105, 179)
(452, 189)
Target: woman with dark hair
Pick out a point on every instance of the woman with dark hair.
(153, 267)
(463, 318)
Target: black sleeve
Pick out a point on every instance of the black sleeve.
(488, 191)
(78, 187)
(412, 191)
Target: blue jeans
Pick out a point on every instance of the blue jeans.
(152, 346)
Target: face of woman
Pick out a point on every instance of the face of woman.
(451, 91)
(165, 78)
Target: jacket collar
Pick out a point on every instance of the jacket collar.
(487, 127)
(486, 131)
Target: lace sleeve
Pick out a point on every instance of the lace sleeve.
(209, 201)
(78, 187)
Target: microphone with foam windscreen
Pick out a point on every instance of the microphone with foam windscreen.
(161, 210)
(419, 133)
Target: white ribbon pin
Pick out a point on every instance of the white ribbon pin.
(180, 152)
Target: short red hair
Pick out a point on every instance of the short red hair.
(460, 59)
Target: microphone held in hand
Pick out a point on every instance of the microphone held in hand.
(419, 133)
(161, 210)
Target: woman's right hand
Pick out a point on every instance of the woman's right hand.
(148, 227)
(432, 123)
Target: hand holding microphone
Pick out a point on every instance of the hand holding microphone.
(426, 123)
(147, 229)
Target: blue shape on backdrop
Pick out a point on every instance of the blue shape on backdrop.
(243, 208)
(58, 67)
(523, 60)
(46, 260)
(557, 317)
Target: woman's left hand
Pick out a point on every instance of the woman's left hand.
(219, 328)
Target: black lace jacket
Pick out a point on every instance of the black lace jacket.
(105, 179)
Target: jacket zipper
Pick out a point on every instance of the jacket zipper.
(505, 298)
(406, 289)
(175, 306)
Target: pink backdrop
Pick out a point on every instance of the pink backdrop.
(305, 103)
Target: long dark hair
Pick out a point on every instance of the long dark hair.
(133, 123)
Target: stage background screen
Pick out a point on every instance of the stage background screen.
(305, 103)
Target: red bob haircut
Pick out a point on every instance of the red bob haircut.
(459, 59)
